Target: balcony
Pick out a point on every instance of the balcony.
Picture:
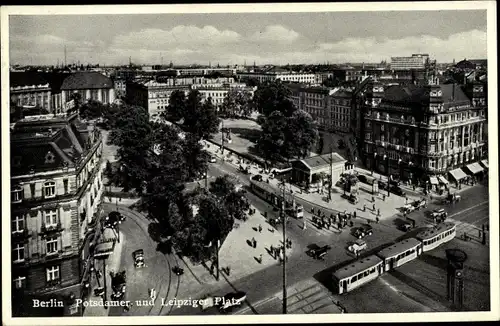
(19, 235)
(434, 154)
(51, 228)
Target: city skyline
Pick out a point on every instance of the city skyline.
(266, 38)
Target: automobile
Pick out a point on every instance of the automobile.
(113, 219)
(382, 185)
(408, 208)
(139, 258)
(398, 191)
(452, 198)
(439, 213)
(319, 253)
(357, 246)
(244, 169)
(213, 159)
(118, 285)
(418, 204)
(405, 227)
(363, 231)
(353, 199)
(257, 177)
(230, 300)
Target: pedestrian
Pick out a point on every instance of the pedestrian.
(354, 214)
(312, 210)
(351, 224)
(228, 270)
(377, 219)
(378, 212)
(271, 249)
(373, 206)
(373, 199)
(364, 207)
(254, 242)
(260, 259)
(339, 226)
(260, 228)
(383, 197)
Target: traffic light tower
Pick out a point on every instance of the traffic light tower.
(455, 277)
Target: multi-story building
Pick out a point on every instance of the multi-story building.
(90, 85)
(273, 75)
(330, 108)
(340, 111)
(414, 132)
(152, 95)
(56, 180)
(218, 92)
(30, 90)
(415, 62)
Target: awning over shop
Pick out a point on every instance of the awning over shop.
(475, 168)
(458, 174)
(485, 164)
(443, 180)
(433, 180)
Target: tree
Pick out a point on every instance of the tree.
(133, 134)
(272, 138)
(301, 135)
(92, 109)
(273, 96)
(110, 113)
(201, 120)
(177, 105)
(195, 157)
(237, 103)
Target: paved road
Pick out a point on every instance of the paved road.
(386, 291)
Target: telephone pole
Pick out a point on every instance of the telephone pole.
(284, 248)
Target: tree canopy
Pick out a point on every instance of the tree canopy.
(238, 102)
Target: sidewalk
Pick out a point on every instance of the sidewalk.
(112, 264)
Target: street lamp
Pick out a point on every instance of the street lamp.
(400, 168)
(374, 161)
(386, 158)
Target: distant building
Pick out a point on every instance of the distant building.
(276, 73)
(90, 85)
(218, 92)
(56, 179)
(415, 62)
(29, 90)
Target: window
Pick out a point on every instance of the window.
(65, 182)
(18, 253)
(51, 217)
(17, 194)
(20, 282)
(49, 189)
(18, 224)
(53, 273)
(51, 245)
(360, 276)
(354, 279)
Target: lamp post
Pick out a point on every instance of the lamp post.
(374, 161)
(386, 158)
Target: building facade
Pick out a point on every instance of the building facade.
(218, 92)
(90, 85)
(415, 62)
(306, 78)
(29, 90)
(415, 132)
(56, 179)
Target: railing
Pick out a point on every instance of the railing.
(51, 228)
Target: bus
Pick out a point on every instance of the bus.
(356, 274)
(434, 237)
(400, 253)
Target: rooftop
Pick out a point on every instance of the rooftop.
(357, 267)
(430, 233)
(398, 248)
(322, 160)
(86, 80)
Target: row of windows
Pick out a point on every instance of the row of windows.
(19, 249)
(52, 275)
(439, 237)
(49, 217)
(362, 274)
(404, 254)
(48, 190)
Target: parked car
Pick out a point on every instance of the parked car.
(439, 214)
(406, 227)
(353, 199)
(357, 246)
(453, 198)
(398, 191)
(363, 231)
(139, 258)
(113, 219)
(118, 285)
(418, 204)
(257, 177)
(231, 300)
(213, 159)
(319, 253)
(408, 208)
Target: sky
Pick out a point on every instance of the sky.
(236, 38)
